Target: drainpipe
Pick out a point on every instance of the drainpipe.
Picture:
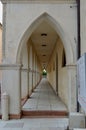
(78, 29)
(79, 42)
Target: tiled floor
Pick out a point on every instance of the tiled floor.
(44, 98)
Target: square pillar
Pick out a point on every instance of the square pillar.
(11, 82)
(24, 83)
(72, 99)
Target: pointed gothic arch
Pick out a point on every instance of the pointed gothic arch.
(62, 34)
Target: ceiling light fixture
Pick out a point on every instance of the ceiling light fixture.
(44, 45)
(43, 55)
(44, 34)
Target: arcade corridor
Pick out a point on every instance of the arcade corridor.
(44, 99)
(43, 35)
(43, 47)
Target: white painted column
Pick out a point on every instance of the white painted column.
(11, 84)
(33, 70)
(72, 100)
(30, 81)
(24, 83)
(36, 71)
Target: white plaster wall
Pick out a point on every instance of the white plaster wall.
(52, 75)
(66, 80)
(62, 74)
(63, 85)
(27, 13)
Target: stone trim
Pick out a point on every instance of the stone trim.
(40, 1)
(10, 66)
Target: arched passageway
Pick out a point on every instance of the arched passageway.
(46, 48)
(42, 44)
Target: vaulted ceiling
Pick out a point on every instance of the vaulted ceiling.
(44, 39)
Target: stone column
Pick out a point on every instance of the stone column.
(24, 83)
(30, 81)
(72, 99)
(11, 84)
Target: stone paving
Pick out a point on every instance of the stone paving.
(35, 124)
(44, 98)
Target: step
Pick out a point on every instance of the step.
(44, 113)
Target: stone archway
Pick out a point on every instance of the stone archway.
(68, 51)
(12, 69)
(63, 35)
